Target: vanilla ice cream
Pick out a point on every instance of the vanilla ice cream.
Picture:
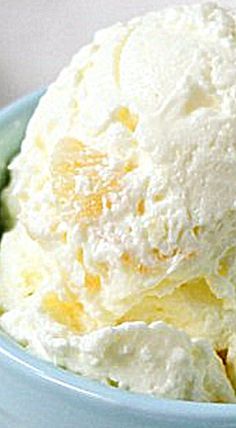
(122, 258)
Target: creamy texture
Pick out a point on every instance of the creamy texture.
(124, 195)
(155, 359)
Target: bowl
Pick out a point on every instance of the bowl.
(36, 394)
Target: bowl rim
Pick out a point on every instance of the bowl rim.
(32, 366)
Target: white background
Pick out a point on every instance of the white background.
(38, 37)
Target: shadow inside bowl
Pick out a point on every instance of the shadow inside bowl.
(13, 122)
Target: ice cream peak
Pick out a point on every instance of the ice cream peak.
(125, 187)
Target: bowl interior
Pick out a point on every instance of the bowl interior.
(13, 122)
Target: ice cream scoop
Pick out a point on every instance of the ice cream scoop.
(124, 192)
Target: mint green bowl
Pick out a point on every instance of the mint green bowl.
(35, 394)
